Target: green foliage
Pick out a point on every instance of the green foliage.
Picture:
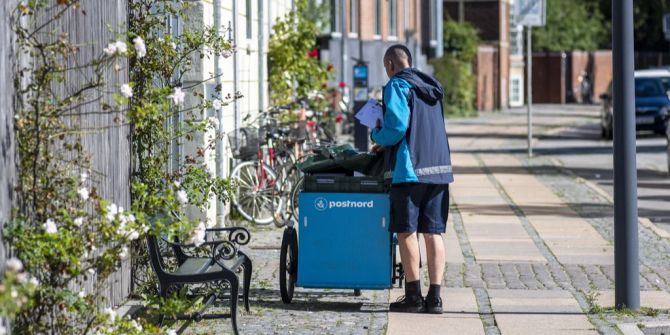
(571, 25)
(64, 233)
(454, 69)
(294, 72)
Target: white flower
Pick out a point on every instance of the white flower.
(83, 193)
(110, 50)
(14, 264)
(177, 184)
(198, 237)
(217, 104)
(140, 47)
(91, 271)
(173, 45)
(123, 254)
(126, 91)
(82, 294)
(137, 325)
(227, 53)
(50, 226)
(112, 210)
(83, 177)
(121, 47)
(78, 221)
(110, 313)
(177, 96)
(133, 235)
(22, 277)
(182, 197)
(14, 293)
(214, 122)
(33, 281)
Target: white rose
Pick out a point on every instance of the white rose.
(83, 177)
(123, 254)
(14, 265)
(177, 96)
(121, 47)
(50, 226)
(79, 221)
(126, 91)
(140, 47)
(83, 193)
(110, 50)
(217, 104)
(182, 197)
(133, 235)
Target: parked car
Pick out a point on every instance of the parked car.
(652, 103)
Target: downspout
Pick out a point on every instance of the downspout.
(261, 57)
(220, 207)
(236, 78)
(417, 33)
(439, 22)
(344, 48)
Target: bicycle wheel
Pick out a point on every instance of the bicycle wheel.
(256, 195)
(293, 200)
(288, 264)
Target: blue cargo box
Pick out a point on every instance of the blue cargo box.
(343, 240)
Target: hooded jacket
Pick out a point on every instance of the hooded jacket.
(413, 132)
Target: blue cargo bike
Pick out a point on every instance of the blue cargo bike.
(341, 238)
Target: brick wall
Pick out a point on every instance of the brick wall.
(602, 72)
(487, 77)
(578, 64)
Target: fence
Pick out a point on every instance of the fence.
(109, 146)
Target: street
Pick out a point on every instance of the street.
(529, 242)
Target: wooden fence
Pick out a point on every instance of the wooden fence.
(109, 146)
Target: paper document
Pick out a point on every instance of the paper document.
(370, 113)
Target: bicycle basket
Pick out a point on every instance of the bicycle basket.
(244, 143)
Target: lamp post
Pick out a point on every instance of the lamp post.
(626, 259)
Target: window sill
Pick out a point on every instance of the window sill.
(392, 38)
(377, 37)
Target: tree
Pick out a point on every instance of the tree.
(571, 25)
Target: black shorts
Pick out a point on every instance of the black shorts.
(422, 208)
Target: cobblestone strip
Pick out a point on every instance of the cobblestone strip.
(578, 279)
(469, 278)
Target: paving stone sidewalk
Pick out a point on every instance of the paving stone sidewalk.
(525, 255)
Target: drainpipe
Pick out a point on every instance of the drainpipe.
(220, 207)
(236, 78)
(261, 57)
(344, 48)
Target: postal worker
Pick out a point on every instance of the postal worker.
(414, 140)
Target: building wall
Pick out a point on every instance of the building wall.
(248, 65)
(412, 21)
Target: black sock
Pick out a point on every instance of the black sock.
(413, 288)
(434, 291)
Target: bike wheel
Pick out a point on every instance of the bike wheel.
(288, 264)
(256, 194)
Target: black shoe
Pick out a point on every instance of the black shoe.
(434, 305)
(408, 304)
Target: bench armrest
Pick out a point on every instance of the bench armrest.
(237, 235)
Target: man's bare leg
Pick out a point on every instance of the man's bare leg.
(409, 255)
(436, 259)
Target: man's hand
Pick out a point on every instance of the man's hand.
(377, 148)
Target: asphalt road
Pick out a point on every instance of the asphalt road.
(579, 147)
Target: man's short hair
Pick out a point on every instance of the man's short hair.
(397, 53)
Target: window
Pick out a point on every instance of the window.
(378, 17)
(334, 16)
(353, 16)
(249, 19)
(393, 17)
(433, 21)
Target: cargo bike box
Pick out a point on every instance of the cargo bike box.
(341, 239)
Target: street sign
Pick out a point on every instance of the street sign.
(666, 26)
(530, 13)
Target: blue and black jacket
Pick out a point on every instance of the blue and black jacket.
(414, 133)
